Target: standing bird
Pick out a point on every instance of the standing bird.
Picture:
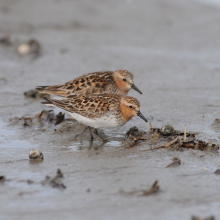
(100, 110)
(119, 82)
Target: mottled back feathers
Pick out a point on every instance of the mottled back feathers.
(98, 82)
(92, 106)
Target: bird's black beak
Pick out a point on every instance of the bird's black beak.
(141, 116)
(135, 88)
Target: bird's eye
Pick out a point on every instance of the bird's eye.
(130, 106)
(124, 80)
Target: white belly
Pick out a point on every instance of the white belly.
(102, 122)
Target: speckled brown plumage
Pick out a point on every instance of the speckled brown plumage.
(91, 106)
(109, 107)
(119, 82)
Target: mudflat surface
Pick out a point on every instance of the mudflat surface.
(173, 49)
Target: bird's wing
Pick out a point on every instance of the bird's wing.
(91, 107)
(87, 84)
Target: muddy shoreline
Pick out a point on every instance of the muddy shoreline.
(173, 50)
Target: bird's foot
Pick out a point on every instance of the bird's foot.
(80, 134)
(102, 136)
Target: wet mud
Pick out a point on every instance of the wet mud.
(173, 50)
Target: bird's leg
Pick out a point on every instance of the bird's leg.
(91, 136)
(99, 135)
(90, 145)
(100, 146)
(78, 135)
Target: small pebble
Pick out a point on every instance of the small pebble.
(36, 155)
(24, 49)
(167, 130)
(30, 47)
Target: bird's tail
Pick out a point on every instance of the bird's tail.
(53, 90)
(48, 102)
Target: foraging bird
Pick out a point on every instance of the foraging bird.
(119, 82)
(100, 110)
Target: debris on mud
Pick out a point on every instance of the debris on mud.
(2, 179)
(208, 218)
(59, 118)
(45, 116)
(217, 120)
(135, 136)
(167, 144)
(30, 47)
(216, 125)
(3, 81)
(35, 94)
(5, 41)
(169, 138)
(176, 162)
(178, 140)
(153, 190)
(56, 182)
(46, 180)
(36, 155)
(30, 182)
(217, 172)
